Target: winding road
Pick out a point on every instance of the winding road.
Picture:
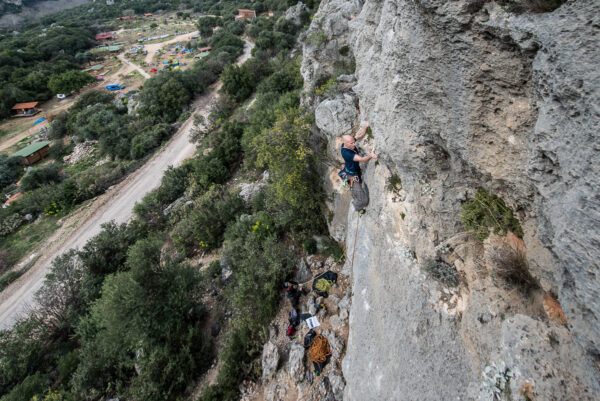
(116, 204)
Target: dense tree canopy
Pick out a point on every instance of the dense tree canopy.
(69, 81)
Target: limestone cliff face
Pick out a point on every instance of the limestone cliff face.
(463, 95)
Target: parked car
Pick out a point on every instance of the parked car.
(115, 87)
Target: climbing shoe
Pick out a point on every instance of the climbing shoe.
(361, 212)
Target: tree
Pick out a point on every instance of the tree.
(69, 81)
(9, 170)
(83, 57)
(38, 176)
(238, 82)
(166, 95)
(285, 151)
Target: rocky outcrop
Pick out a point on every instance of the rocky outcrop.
(464, 95)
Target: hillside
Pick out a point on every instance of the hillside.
(15, 14)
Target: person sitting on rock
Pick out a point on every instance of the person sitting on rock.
(293, 291)
(352, 172)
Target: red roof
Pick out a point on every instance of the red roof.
(105, 35)
(153, 70)
(147, 14)
(244, 10)
(14, 198)
(20, 106)
(204, 49)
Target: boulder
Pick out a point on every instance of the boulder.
(270, 361)
(303, 272)
(294, 13)
(296, 362)
(336, 343)
(337, 384)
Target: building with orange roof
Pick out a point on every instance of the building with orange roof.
(25, 109)
(245, 14)
(13, 198)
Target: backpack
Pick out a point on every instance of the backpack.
(291, 331)
(293, 318)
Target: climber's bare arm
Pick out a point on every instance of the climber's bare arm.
(366, 158)
(361, 133)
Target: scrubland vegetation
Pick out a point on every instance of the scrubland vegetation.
(123, 317)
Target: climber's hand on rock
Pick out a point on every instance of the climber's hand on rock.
(374, 155)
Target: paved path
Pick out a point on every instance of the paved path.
(116, 204)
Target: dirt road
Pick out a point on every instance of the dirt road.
(129, 66)
(116, 204)
(151, 48)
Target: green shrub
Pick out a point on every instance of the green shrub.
(38, 176)
(203, 228)
(22, 352)
(334, 250)
(238, 82)
(67, 364)
(7, 278)
(394, 183)
(10, 224)
(487, 211)
(328, 89)
(344, 50)
(7, 260)
(58, 127)
(310, 246)
(26, 390)
(149, 139)
(9, 170)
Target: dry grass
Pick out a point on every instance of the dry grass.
(511, 265)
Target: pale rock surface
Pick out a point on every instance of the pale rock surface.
(293, 13)
(303, 272)
(296, 362)
(270, 360)
(462, 95)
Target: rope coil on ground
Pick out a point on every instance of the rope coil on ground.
(319, 350)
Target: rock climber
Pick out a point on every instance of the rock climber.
(352, 172)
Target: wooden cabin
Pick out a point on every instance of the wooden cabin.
(33, 153)
(244, 14)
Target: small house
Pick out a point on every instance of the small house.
(147, 14)
(204, 49)
(33, 153)
(244, 14)
(104, 36)
(25, 109)
(13, 198)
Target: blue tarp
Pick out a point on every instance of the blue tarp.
(165, 62)
(40, 120)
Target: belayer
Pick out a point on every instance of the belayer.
(351, 172)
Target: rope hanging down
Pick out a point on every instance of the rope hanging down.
(354, 245)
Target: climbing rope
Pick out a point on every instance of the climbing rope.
(319, 350)
(354, 245)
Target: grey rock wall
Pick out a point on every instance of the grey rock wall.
(462, 95)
